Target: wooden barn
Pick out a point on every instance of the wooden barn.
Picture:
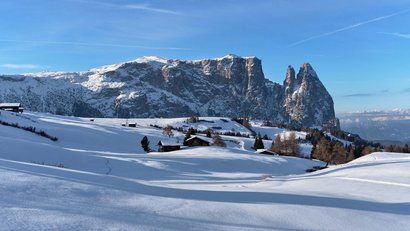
(14, 107)
(168, 147)
(198, 141)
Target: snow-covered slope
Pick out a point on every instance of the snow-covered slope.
(230, 86)
(109, 183)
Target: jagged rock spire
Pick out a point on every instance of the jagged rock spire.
(309, 102)
(306, 71)
(290, 76)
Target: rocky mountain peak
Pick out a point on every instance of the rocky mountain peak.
(151, 86)
(232, 56)
(306, 71)
(290, 77)
(147, 59)
(309, 102)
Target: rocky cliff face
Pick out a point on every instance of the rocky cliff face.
(156, 87)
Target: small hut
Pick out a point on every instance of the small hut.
(198, 141)
(168, 147)
(14, 107)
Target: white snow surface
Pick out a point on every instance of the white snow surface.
(109, 183)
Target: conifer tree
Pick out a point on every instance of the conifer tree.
(188, 134)
(258, 144)
(406, 148)
(145, 144)
(208, 133)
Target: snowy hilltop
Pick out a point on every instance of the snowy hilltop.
(156, 87)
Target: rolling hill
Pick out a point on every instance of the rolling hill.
(97, 177)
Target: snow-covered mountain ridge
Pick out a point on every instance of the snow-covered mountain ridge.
(156, 87)
(384, 126)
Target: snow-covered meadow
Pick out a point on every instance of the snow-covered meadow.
(109, 183)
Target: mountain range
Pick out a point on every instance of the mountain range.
(150, 86)
(386, 127)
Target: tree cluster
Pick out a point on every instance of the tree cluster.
(397, 148)
(288, 146)
(330, 151)
(356, 149)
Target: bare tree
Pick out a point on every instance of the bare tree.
(292, 145)
(277, 145)
(167, 131)
(218, 141)
(339, 153)
(350, 153)
(367, 150)
(246, 123)
(321, 151)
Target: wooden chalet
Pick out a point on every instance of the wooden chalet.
(14, 107)
(168, 147)
(198, 141)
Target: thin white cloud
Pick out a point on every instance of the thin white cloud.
(149, 8)
(406, 36)
(349, 27)
(20, 66)
(88, 44)
(145, 7)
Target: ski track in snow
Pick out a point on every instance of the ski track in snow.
(375, 181)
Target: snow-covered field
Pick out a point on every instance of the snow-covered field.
(109, 183)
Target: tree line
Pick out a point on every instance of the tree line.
(325, 148)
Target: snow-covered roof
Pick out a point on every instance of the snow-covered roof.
(168, 143)
(265, 151)
(207, 139)
(10, 104)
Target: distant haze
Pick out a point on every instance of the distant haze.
(387, 127)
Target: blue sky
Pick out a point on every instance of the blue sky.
(360, 49)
